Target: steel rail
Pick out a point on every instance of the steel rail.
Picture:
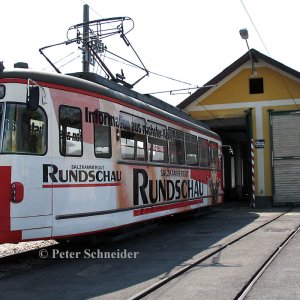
(248, 286)
(176, 274)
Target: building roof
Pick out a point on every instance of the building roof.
(256, 56)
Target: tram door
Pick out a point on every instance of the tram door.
(26, 137)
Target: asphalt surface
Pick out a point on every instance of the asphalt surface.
(122, 269)
(281, 280)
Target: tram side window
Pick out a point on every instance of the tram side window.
(133, 142)
(25, 131)
(214, 157)
(102, 136)
(1, 112)
(176, 147)
(191, 148)
(70, 131)
(157, 143)
(203, 152)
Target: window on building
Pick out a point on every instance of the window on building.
(203, 152)
(256, 85)
(191, 148)
(25, 131)
(70, 131)
(133, 141)
(176, 146)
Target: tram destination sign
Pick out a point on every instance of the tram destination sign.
(260, 143)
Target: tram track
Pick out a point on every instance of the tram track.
(245, 289)
(223, 273)
(30, 260)
(248, 286)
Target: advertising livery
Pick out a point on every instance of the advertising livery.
(78, 158)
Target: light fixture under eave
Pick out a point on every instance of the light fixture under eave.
(245, 35)
(229, 148)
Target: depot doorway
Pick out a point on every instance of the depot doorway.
(236, 133)
(285, 137)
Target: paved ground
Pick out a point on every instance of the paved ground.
(165, 249)
(281, 280)
(223, 276)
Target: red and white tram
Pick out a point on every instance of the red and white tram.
(80, 154)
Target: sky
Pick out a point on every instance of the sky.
(191, 41)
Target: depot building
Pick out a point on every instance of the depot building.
(254, 105)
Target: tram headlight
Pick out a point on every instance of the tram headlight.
(2, 91)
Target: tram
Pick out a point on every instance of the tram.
(81, 154)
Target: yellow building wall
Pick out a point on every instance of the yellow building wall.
(236, 90)
(277, 87)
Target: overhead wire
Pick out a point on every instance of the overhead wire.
(150, 72)
(92, 9)
(262, 41)
(170, 78)
(70, 61)
(155, 73)
(61, 59)
(173, 79)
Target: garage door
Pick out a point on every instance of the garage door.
(285, 130)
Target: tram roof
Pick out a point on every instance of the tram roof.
(85, 80)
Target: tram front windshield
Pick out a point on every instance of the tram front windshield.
(1, 113)
(24, 131)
